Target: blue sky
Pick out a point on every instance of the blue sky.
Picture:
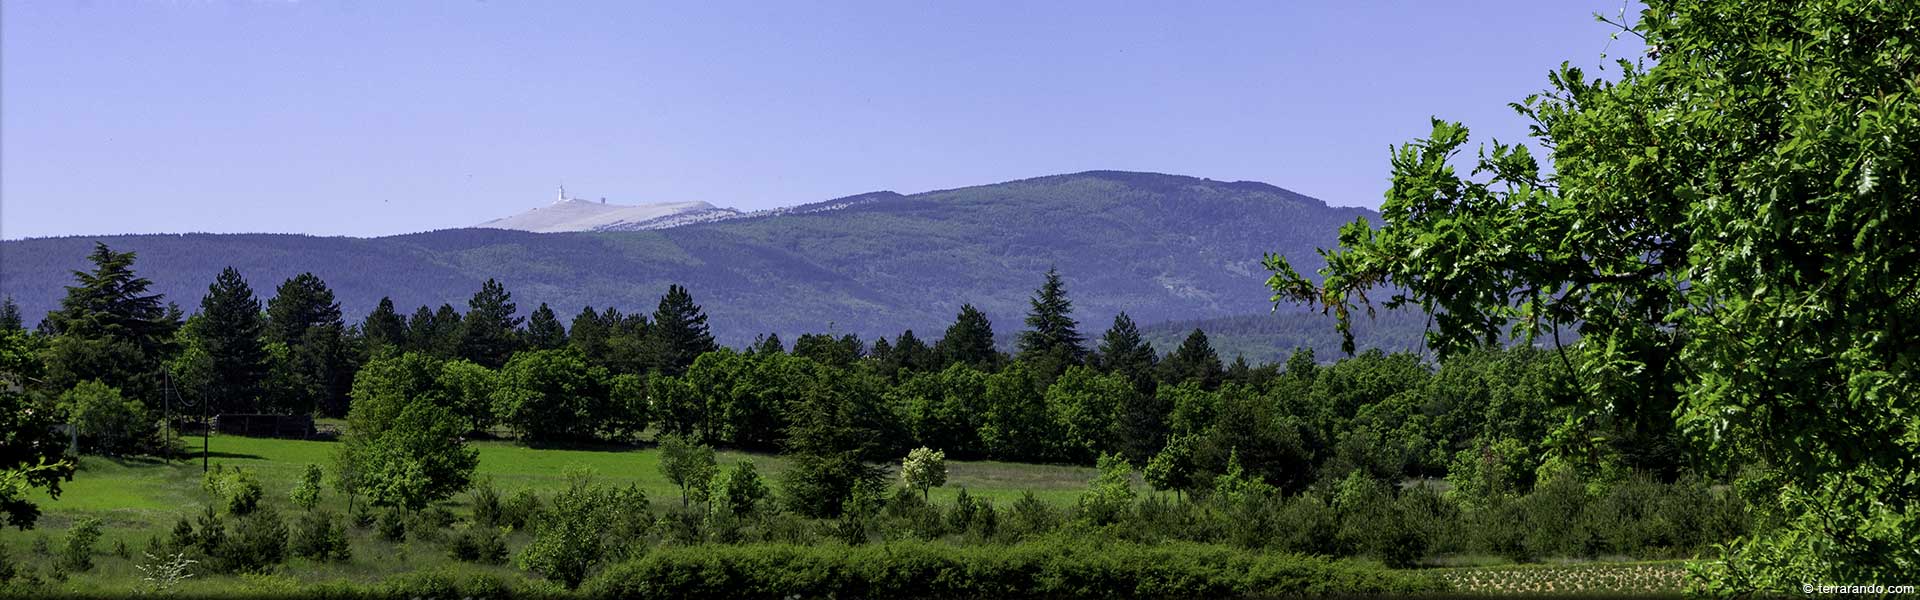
(376, 118)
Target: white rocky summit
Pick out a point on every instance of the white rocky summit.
(574, 214)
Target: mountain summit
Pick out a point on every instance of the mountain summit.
(574, 214)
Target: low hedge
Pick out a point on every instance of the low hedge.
(1035, 570)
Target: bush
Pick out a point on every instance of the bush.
(1110, 495)
(908, 515)
(450, 582)
(1628, 519)
(1307, 525)
(235, 489)
(76, 556)
(487, 508)
(1040, 570)
(259, 542)
(1031, 518)
(478, 544)
(361, 515)
(572, 539)
(520, 511)
(320, 536)
(1550, 516)
(7, 567)
(427, 525)
(306, 493)
(392, 526)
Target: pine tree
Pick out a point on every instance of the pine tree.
(969, 341)
(831, 446)
(443, 338)
(882, 354)
(384, 328)
(912, 354)
(1123, 351)
(298, 304)
(10, 319)
(1051, 339)
(544, 331)
(769, 345)
(420, 330)
(1193, 361)
(110, 329)
(588, 335)
(490, 332)
(678, 334)
(230, 330)
(319, 368)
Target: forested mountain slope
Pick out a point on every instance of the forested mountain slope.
(1160, 247)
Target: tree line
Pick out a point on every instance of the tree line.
(414, 388)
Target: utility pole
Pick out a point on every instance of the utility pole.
(166, 414)
(206, 431)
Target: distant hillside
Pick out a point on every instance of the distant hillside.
(1273, 336)
(1161, 247)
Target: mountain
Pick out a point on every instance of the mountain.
(1161, 247)
(573, 214)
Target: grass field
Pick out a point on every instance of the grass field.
(138, 493)
(139, 499)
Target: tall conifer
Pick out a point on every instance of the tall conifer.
(230, 329)
(678, 333)
(490, 332)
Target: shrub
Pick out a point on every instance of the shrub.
(427, 525)
(520, 511)
(306, 493)
(631, 515)
(7, 567)
(1159, 518)
(235, 489)
(478, 544)
(860, 511)
(259, 542)
(392, 526)
(1110, 494)
(909, 515)
(1040, 570)
(965, 509)
(320, 536)
(571, 539)
(487, 508)
(451, 582)
(1030, 517)
(76, 555)
(1628, 519)
(1307, 525)
(1550, 516)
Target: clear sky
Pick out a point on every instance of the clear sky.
(374, 118)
